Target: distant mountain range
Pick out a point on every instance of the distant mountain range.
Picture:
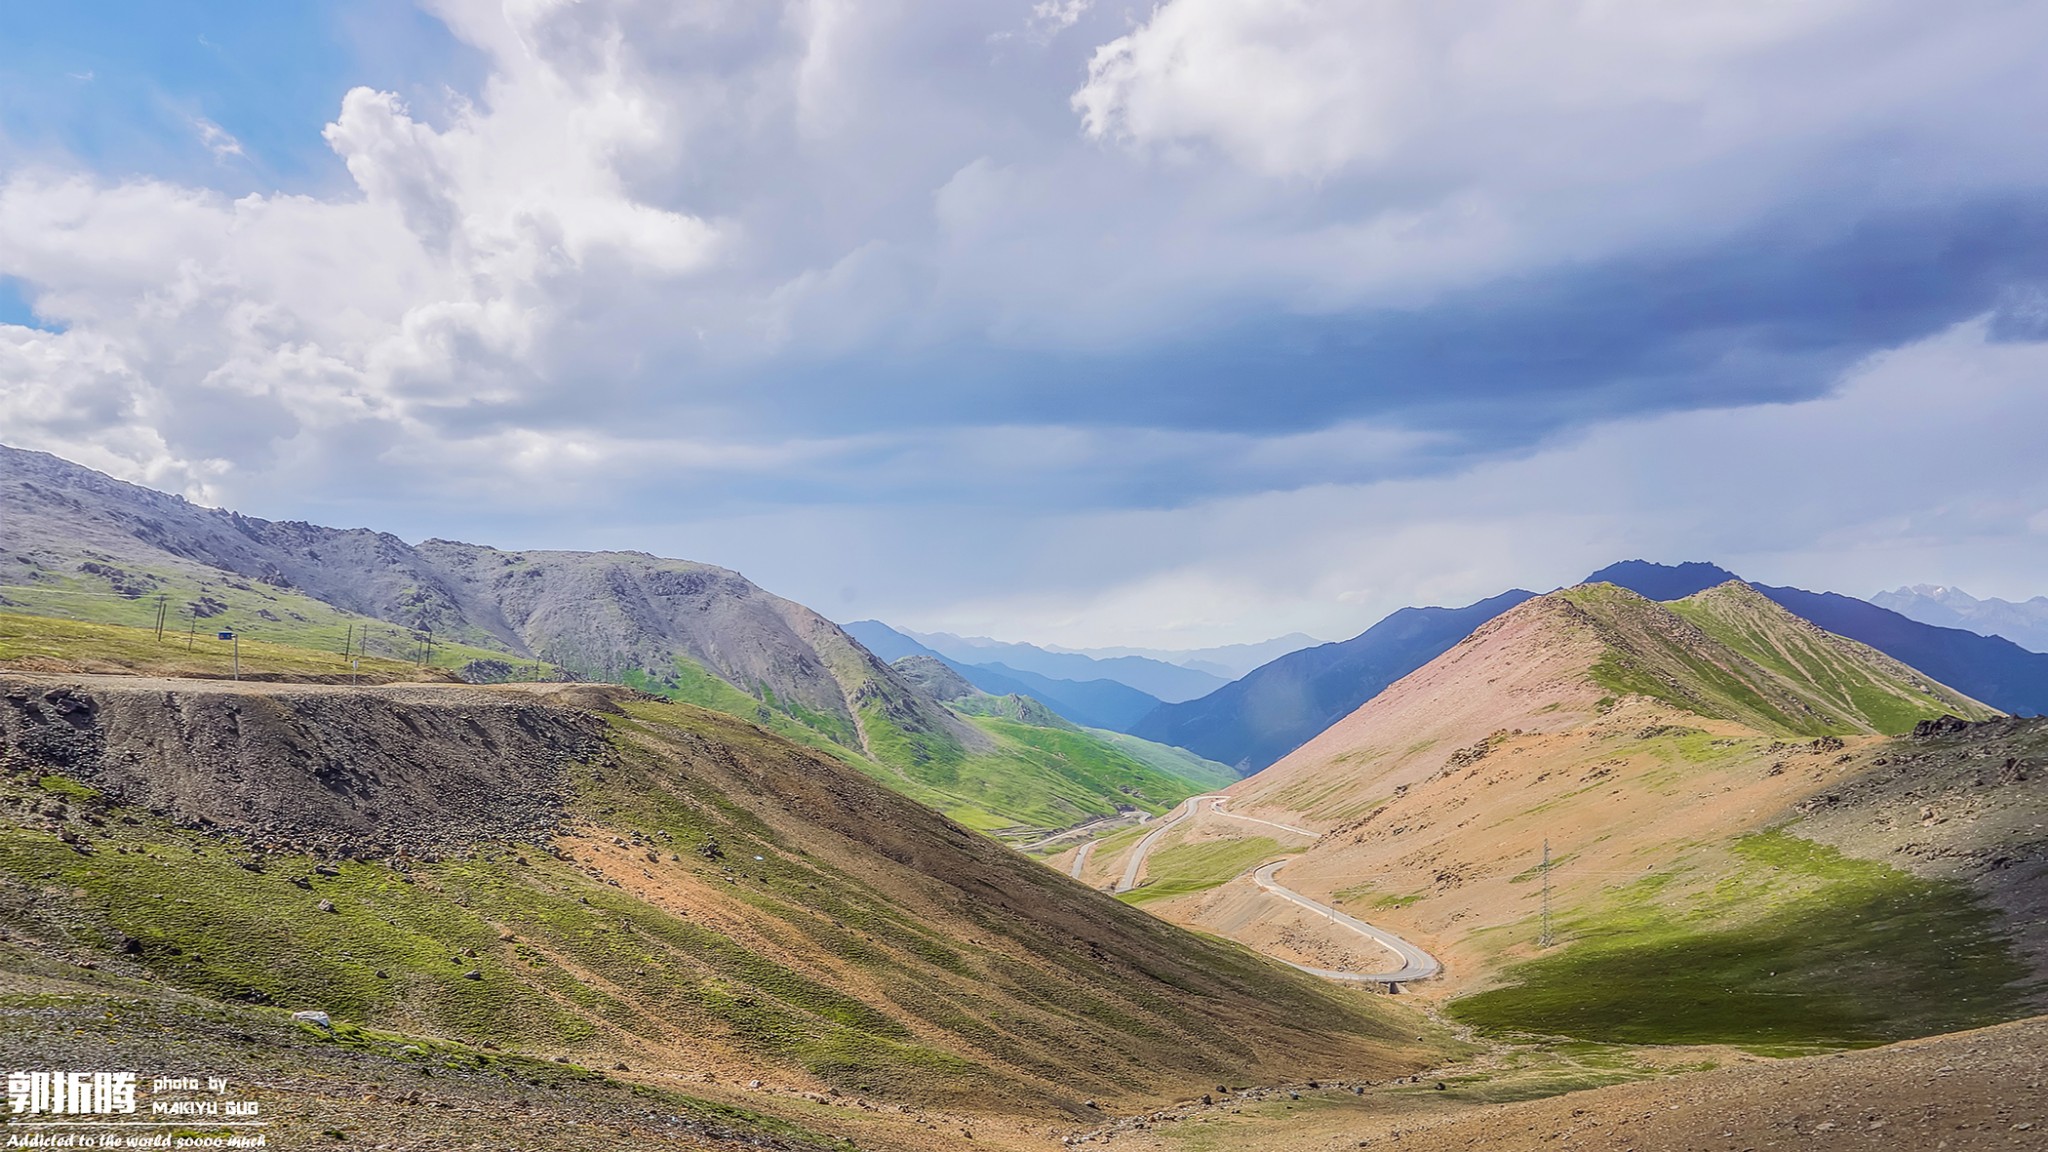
(1229, 661)
(1255, 721)
(1274, 709)
(1156, 678)
(1097, 703)
(2024, 623)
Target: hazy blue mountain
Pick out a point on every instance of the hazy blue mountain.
(1229, 661)
(1662, 581)
(1090, 703)
(1990, 668)
(1274, 709)
(2024, 623)
(1156, 678)
(886, 642)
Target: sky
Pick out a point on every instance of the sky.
(1082, 322)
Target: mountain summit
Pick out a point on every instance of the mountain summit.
(1989, 668)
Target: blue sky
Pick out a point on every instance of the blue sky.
(1081, 322)
(123, 88)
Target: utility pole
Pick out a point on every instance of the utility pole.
(162, 606)
(1544, 941)
(349, 641)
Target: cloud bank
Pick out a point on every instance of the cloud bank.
(1098, 322)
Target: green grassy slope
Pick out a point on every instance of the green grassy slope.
(1781, 945)
(1839, 674)
(201, 601)
(1026, 774)
(1027, 778)
(52, 643)
(731, 899)
(1206, 774)
(1731, 654)
(1178, 869)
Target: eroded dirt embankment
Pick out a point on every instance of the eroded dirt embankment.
(373, 771)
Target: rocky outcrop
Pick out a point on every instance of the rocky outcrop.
(368, 772)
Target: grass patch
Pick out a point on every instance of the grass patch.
(1204, 774)
(1186, 868)
(1802, 948)
(692, 683)
(48, 639)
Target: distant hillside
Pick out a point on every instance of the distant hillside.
(1156, 678)
(1988, 668)
(1276, 708)
(1091, 703)
(887, 642)
(2024, 623)
(1102, 752)
(1730, 653)
(1559, 660)
(934, 677)
(77, 543)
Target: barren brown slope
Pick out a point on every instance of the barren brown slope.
(1662, 808)
(1561, 660)
(720, 903)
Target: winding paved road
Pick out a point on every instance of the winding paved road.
(1144, 848)
(1081, 859)
(1415, 963)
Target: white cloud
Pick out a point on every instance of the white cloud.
(1470, 140)
(217, 139)
(659, 240)
(1049, 18)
